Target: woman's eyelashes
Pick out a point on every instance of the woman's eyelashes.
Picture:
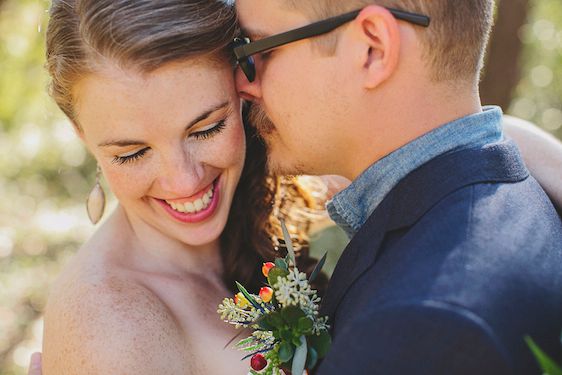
(207, 133)
(202, 134)
(130, 158)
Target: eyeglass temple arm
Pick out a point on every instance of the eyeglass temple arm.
(318, 28)
(416, 19)
(308, 31)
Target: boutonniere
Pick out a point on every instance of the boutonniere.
(287, 333)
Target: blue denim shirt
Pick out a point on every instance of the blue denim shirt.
(351, 207)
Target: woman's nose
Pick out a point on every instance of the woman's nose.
(181, 176)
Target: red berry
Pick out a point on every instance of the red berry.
(258, 362)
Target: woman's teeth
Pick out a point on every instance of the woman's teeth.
(195, 206)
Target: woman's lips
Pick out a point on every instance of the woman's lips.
(208, 189)
(196, 208)
(194, 203)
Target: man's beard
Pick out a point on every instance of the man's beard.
(266, 129)
(259, 119)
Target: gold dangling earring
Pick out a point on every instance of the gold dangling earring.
(95, 204)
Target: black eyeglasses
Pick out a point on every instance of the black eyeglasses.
(244, 49)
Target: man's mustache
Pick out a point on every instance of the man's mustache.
(259, 119)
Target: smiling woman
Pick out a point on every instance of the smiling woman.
(178, 154)
(149, 88)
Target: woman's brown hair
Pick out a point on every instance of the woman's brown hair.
(145, 35)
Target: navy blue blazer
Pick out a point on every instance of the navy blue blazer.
(460, 261)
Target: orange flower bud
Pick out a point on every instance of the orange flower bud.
(266, 294)
(266, 268)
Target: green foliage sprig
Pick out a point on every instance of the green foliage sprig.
(547, 364)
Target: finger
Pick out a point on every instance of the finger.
(35, 364)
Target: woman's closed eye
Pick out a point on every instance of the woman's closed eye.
(210, 130)
(130, 157)
(201, 134)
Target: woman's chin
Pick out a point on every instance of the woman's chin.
(200, 234)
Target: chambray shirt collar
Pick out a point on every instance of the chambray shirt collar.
(351, 207)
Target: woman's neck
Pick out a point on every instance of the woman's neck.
(154, 252)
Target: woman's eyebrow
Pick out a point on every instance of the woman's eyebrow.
(208, 113)
(121, 143)
(201, 117)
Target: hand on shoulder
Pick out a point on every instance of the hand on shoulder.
(542, 153)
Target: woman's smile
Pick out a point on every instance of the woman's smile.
(195, 208)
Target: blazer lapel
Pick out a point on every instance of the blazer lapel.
(356, 258)
(411, 199)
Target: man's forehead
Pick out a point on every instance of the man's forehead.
(255, 34)
(254, 16)
(262, 18)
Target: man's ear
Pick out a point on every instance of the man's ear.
(379, 34)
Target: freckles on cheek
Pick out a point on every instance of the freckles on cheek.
(126, 184)
(232, 148)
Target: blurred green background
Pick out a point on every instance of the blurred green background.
(45, 174)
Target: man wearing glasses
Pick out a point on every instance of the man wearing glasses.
(456, 252)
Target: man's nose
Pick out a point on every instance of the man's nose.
(247, 90)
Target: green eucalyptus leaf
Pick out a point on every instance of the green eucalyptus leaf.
(285, 352)
(312, 358)
(547, 364)
(288, 243)
(318, 268)
(265, 323)
(274, 274)
(299, 359)
(275, 319)
(292, 314)
(305, 325)
(286, 334)
(321, 343)
(281, 263)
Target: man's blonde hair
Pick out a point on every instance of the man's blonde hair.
(454, 44)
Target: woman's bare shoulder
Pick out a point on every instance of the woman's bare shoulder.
(100, 320)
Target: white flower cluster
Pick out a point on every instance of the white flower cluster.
(319, 325)
(294, 290)
(237, 316)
